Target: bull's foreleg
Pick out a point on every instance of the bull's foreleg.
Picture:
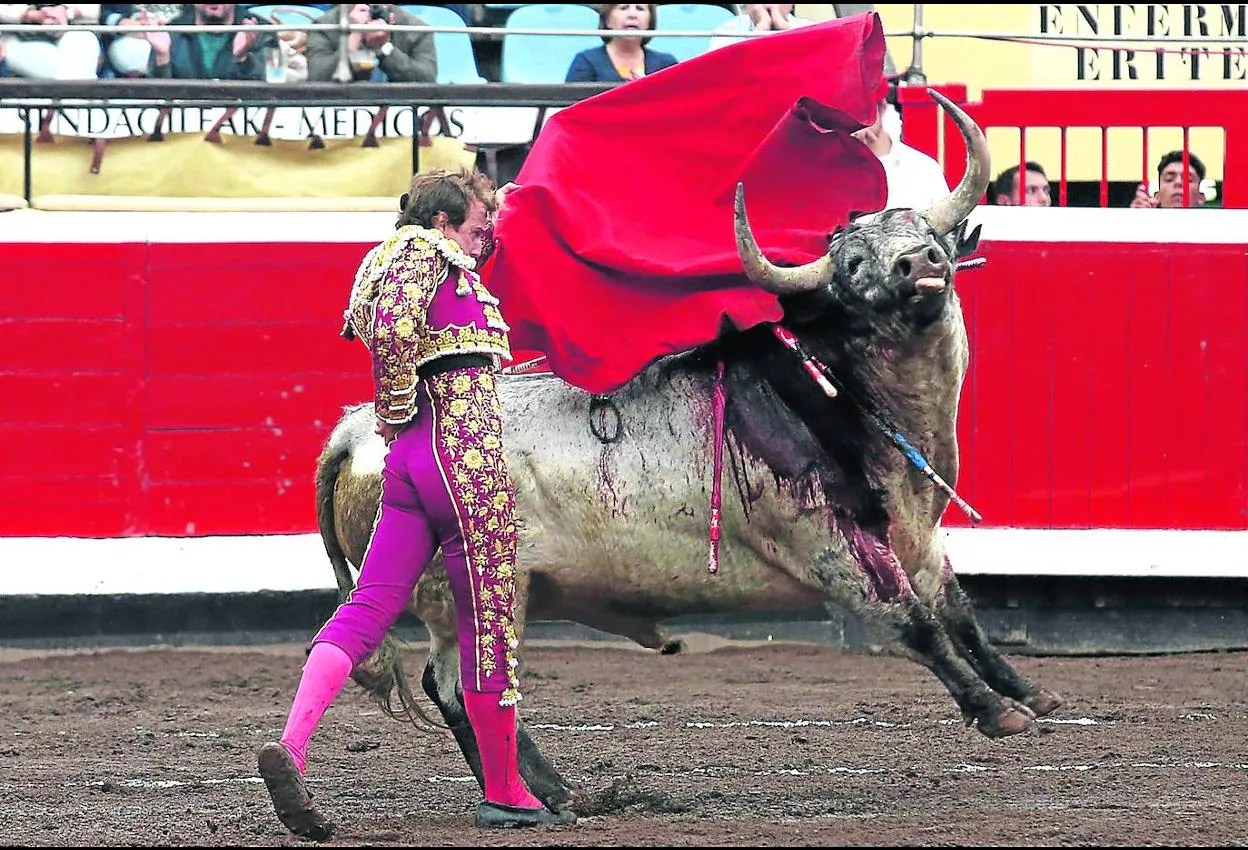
(958, 616)
(925, 640)
(888, 599)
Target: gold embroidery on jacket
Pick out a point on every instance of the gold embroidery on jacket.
(388, 311)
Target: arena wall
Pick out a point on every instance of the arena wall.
(174, 375)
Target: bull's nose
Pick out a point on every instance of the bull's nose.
(922, 265)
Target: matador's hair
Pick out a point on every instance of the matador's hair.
(440, 190)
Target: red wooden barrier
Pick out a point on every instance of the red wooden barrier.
(185, 389)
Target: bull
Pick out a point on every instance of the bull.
(821, 508)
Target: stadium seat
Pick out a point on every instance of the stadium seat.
(457, 63)
(545, 58)
(687, 17)
(285, 14)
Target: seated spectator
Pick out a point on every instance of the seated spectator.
(1171, 184)
(621, 57)
(1004, 190)
(915, 180)
(131, 55)
(57, 55)
(403, 57)
(209, 55)
(758, 17)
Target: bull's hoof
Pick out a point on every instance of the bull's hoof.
(1015, 718)
(498, 816)
(1044, 703)
(290, 796)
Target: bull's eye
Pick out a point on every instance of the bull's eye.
(855, 263)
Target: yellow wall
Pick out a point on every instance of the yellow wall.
(186, 166)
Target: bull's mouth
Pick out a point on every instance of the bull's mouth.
(928, 299)
(929, 291)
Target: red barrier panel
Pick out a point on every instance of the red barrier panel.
(1108, 386)
(186, 389)
(170, 389)
(71, 381)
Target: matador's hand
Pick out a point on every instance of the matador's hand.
(387, 431)
(501, 193)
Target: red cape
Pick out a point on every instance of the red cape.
(619, 246)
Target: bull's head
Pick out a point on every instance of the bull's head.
(916, 251)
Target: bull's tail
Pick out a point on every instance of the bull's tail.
(328, 465)
(381, 675)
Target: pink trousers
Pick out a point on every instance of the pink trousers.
(445, 486)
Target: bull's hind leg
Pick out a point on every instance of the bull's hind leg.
(441, 684)
(958, 616)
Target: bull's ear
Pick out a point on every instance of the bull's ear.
(806, 306)
(965, 245)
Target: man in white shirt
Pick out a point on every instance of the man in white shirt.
(915, 180)
(758, 17)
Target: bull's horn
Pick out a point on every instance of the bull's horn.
(952, 210)
(774, 279)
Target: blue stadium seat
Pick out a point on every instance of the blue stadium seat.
(545, 58)
(686, 17)
(457, 63)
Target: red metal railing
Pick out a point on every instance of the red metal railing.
(1024, 109)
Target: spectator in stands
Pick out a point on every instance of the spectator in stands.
(209, 55)
(403, 57)
(131, 55)
(622, 57)
(57, 55)
(1171, 184)
(1004, 191)
(758, 17)
(915, 180)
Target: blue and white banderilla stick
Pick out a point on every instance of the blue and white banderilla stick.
(831, 386)
(920, 463)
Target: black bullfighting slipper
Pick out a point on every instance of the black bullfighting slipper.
(498, 816)
(291, 799)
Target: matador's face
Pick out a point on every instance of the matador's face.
(471, 233)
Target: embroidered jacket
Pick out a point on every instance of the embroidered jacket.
(416, 298)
